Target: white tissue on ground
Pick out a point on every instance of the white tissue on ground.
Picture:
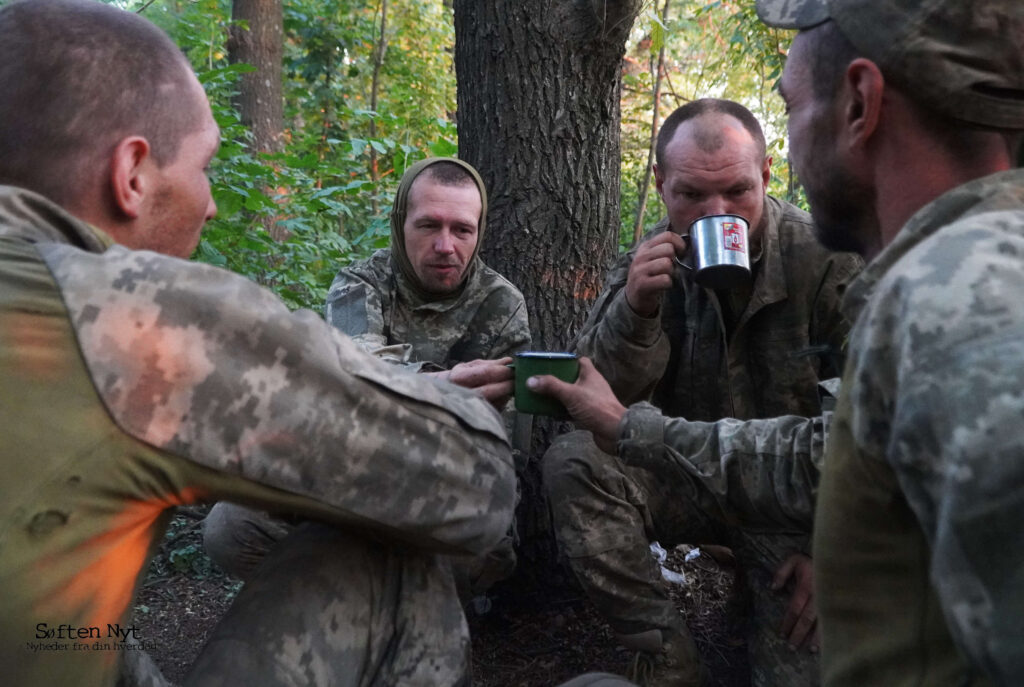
(670, 576)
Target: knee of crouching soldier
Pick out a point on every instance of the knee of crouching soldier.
(567, 463)
(237, 538)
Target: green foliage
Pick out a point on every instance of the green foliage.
(290, 220)
(713, 49)
(326, 197)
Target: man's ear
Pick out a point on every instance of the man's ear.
(864, 86)
(659, 180)
(129, 175)
(766, 172)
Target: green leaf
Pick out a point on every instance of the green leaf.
(444, 148)
(657, 36)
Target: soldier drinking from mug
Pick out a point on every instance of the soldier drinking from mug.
(757, 350)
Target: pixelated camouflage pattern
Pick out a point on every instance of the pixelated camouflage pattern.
(962, 59)
(135, 383)
(924, 469)
(785, 340)
(276, 396)
(372, 302)
(383, 615)
(606, 513)
(761, 473)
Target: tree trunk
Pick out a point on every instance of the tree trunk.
(257, 39)
(538, 96)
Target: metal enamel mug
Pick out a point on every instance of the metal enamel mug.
(565, 366)
(720, 251)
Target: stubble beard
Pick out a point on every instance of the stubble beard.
(844, 212)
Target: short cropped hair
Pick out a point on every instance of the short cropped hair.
(697, 108)
(831, 53)
(78, 76)
(449, 174)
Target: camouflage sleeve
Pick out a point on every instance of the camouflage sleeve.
(940, 397)
(354, 306)
(206, 365)
(957, 455)
(757, 473)
(630, 351)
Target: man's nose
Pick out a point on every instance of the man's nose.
(211, 209)
(443, 243)
(716, 205)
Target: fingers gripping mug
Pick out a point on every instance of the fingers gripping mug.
(720, 251)
(565, 366)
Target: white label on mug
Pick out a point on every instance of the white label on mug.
(732, 235)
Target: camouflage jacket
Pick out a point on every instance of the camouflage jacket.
(132, 382)
(918, 537)
(759, 474)
(370, 302)
(787, 339)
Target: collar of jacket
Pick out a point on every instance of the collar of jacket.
(770, 274)
(421, 302)
(999, 191)
(30, 216)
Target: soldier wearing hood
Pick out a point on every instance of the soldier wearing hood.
(428, 304)
(429, 301)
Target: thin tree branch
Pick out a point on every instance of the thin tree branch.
(656, 98)
(378, 61)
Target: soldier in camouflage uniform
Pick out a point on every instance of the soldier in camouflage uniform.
(905, 117)
(392, 306)
(132, 381)
(428, 304)
(757, 351)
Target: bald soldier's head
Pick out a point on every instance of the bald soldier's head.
(102, 115)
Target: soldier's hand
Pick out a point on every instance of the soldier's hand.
(650, 274)
(590, 402)
(800, 626)
(492, 379)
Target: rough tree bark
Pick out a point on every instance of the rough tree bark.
(538, 96)
(257, 39)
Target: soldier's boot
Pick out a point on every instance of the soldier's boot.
(665, 658)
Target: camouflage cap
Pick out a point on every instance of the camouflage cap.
(964, 58)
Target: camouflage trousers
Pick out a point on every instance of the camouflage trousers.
(328, 607)
(238, 539)
(605, 516)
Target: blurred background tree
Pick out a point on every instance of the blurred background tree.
(369, 87)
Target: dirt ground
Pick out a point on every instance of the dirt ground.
(527, 641)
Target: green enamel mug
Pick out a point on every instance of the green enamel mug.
(565, 366)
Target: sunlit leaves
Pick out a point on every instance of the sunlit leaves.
(318, 193)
